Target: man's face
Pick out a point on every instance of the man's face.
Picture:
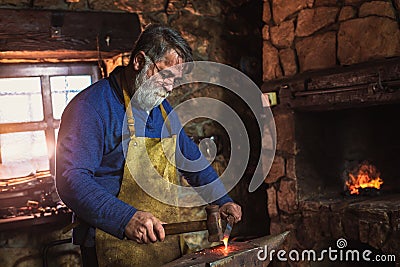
(150, 94)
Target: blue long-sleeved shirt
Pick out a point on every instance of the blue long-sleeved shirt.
(90, 158)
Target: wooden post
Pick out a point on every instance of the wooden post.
(48, 118)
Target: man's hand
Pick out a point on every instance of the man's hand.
(144, 228)
(231, 209)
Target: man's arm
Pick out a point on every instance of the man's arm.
(79, 153)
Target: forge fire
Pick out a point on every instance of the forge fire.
(365, 176)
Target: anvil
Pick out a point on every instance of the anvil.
(249, 253)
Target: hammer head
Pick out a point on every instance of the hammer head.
(214, 226)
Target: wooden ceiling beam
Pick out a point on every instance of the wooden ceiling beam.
(46, 35)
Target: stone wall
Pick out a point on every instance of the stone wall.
(304, 35)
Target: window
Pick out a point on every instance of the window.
(32, 99)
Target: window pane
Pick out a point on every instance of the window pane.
(20, 100)
(24, 152)
(64, 88)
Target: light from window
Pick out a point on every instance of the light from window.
(64, 88)
(20, 100)
(24, 152)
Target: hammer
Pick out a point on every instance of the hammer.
(212, 224)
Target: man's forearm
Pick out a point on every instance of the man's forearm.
(91, 202)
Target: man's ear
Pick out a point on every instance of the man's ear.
(139, 61)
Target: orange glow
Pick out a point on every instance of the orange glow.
(367, 176)
(225, 240)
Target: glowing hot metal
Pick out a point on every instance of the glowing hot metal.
(227, 233)
(225, 240)
(244, 254)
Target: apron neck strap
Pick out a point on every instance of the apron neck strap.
(165, 117)
(127, 101)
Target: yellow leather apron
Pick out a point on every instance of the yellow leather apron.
(114, 252)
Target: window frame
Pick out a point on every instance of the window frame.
(44, 71)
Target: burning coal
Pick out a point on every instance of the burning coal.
(364, 176)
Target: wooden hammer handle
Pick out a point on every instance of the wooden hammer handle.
(184, 227)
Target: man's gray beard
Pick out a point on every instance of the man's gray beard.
(147, 96)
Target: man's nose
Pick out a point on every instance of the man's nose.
(169, 88)
(169, 85)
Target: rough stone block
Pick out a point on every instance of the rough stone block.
(81, 5)
(281, 9)
(277, 170)
(265, 32)
(272, 205)
(362, 39)
(378, 8)
(276, 226)
(291, 168)
(266, 12)
(397, 5)
(378, 234)
(271, 67)
(285, 132)
(173, 7)
(311, 222)
(317, 52)
(350, 226)
(392, 245)
(395, 220)
(311, 20)
(113, 5)
(347, 12)
(336, 225)
(304, 237)
(324, 224)
(288, 61)
(287, 195)
(364, 231)
(310, 3)
(283, 34)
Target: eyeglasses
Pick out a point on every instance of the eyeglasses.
(166, 74)
(154, 63)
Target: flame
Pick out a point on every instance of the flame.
(366, 176)
(225, 240)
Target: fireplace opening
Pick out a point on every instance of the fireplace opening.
(330, 143)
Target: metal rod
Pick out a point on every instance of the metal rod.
(330, 91)
(52, 244)
(345, 89)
